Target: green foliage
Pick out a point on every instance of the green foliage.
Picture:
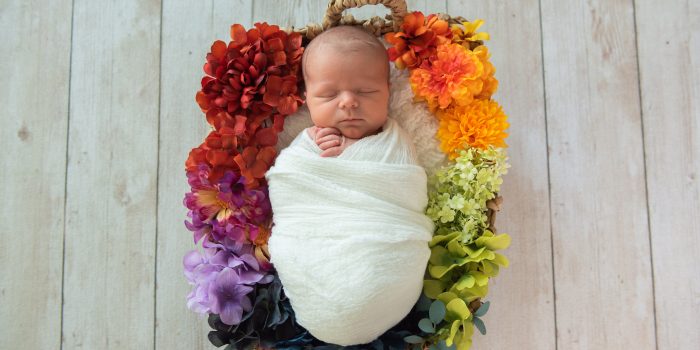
(463, 249)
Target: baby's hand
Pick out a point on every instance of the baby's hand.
(330, 141)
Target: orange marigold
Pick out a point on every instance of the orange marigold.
(453, 74)
(480, 124)
(490, 82)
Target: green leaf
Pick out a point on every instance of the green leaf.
(437, 311)
(453, 331)
(466, 281)
(432, 288)
(439, 271)
(457, 309)
(443, 346)
(426, 325)
(480, 325)
(424, 302)
(481, 278)
(500, 259)
(456, 248)
(440, 238)
(413, 339)
(499, 242)
(215, 339)
(483, 309)
(446, 297)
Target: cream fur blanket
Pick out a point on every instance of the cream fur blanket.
(349, 240)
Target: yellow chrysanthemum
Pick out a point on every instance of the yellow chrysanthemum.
(453, 74)
(480, 124)
(490, 82)
(467, 33)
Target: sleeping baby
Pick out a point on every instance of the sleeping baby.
(349, 240)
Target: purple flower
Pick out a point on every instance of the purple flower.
(221, 278)
(226, 208)
(229, 298)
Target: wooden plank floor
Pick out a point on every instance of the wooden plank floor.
(602, 201)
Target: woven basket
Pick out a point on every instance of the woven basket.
(379, 26)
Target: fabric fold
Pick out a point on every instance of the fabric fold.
(350, 238)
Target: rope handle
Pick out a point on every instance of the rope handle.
(334, 12)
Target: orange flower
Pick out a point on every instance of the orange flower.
(217, 152)
(453, 74)
(417, 40)
(480, 124)
(490, 82)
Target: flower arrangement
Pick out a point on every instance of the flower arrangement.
(250, 85)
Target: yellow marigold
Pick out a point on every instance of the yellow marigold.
(480, 124)
(490, 82)
(467, 34)
(453, 74)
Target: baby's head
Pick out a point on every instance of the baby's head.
(346, 73)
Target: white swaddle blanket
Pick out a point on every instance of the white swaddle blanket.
(350, 240)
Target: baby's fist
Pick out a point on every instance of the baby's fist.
(330, 141)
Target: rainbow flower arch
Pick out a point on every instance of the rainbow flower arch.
(252, 85)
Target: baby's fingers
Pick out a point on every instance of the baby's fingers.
(330, 143)
(320, 140)
(331, 152)
(326, 131)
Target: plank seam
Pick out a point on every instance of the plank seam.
(646, 180)
(65, 179)
(155, 257)
(549, 181)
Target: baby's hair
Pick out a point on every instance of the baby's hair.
(346, 39)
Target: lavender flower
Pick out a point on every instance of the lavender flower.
(222, 278)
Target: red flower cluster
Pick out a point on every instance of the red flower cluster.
(250, 86)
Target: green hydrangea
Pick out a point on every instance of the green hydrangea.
(459, 191)
(463, 256)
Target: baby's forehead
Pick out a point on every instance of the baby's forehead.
(346, 40)
(348, 50)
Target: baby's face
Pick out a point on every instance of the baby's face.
(347, 91)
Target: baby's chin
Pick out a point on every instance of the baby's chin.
(357, 133)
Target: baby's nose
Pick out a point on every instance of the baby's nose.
(348, 100)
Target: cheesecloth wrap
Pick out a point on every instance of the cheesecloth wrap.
(350, 238)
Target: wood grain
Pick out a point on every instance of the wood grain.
(183, 127)
(34, 80)
(113, 155)
(603, 282)
(97, 115)
(521, 315)
(670, 90)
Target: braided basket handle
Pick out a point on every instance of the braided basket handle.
(334, 12)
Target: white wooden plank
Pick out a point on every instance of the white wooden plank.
(295, 13)
(603, 282)
(34, 80)
(671, 113)
(521, 315)
(113, 149)
(189, 29)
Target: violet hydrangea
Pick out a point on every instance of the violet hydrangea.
(222, 277)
